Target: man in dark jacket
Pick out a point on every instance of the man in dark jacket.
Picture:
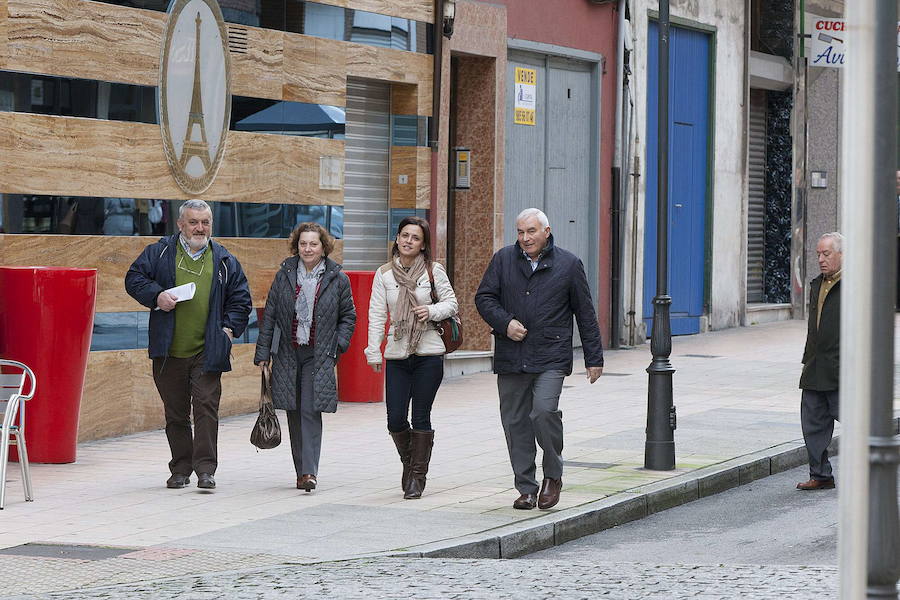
(528, 296)
(821, 363)
(190, 339)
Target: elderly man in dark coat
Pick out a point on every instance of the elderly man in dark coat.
(528, 296)
(821, 363)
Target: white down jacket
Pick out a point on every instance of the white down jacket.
(381, 304)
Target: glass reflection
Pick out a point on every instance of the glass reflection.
(129, 330)
(80, 215)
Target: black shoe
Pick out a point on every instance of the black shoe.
(177, 481)
(525, 502)
(206, 481)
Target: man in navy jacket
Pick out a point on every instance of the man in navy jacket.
(528, 295)
(190, 340)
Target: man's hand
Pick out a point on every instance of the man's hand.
(229, 333)
(166, 301)
(516, 331)
(376, 367)
(594, 373)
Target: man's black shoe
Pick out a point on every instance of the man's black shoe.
(177, 480)
(206, 481)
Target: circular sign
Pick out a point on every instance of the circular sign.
(194, 93)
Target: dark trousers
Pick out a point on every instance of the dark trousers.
(529, 412)
(305, 423)
(415, 379)
(183, 387)
(818, 412)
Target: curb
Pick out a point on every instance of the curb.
(556, 528)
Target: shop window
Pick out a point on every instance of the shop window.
(130, 330)
(80, 215)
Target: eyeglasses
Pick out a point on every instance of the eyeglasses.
(181, 266)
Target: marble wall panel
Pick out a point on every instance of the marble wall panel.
(403, 162)
(404, 99)
(423, 177)
(91, 40)
(113, 255)
(259, 73)
(42, 154)
(110, 408)
(396, 66)
(420, 10)
(314, 70)
(4, 33)
(107, 396)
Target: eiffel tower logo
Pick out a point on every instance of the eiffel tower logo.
(200, 148)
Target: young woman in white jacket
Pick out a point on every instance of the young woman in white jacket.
(414, 355)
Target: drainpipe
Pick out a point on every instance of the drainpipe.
(434, 126)
(618, 189)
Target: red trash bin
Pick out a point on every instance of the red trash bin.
(46, 319)
(357, 382)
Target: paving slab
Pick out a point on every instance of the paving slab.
(738, 419)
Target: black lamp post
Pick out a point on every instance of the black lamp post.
(659, 451)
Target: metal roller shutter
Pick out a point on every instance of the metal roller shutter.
(367, 174)
(756, 209)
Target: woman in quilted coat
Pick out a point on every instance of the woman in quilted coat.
(308, 322)
(414, 354)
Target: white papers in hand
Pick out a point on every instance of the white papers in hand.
(183, 292)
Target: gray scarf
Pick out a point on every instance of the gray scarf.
(306, 299)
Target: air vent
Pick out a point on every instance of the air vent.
(237, 39)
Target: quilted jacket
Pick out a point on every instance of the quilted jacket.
(384, 296)
(334, 318)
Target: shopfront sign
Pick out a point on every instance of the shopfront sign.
(194, 93)
(526, 94)
(827, 37)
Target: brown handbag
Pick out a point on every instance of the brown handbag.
(266, 433)
(449, 329)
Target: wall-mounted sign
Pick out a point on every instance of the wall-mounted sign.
(826, 47)
(331, 173)
(194, 93)
(526, 94)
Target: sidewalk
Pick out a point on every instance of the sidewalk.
(738, 419)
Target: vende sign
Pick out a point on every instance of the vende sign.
(827, 43)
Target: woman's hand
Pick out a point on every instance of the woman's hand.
(376, 367)
(421, 312)
(263, 365)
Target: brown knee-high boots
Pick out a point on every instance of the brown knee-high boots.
(401, 440)
(421, 443)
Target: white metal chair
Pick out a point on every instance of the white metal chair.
(12, 403)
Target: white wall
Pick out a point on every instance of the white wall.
(727, 274)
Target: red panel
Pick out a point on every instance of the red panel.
(46, 319)
(356, 380)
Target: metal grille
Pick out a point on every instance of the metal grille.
(756, 208)
(367, 174)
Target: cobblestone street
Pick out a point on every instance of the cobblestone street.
(423, 579)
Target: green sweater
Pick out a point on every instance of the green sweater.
(191, 315)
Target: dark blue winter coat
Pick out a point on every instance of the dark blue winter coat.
(229, 300)
(544, 301)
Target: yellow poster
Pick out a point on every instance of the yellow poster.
(524, 110)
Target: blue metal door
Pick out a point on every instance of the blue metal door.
(688, 169)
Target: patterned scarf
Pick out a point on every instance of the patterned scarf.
(306, 299)
(406, 325)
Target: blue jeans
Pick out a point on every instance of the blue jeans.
(414, 379)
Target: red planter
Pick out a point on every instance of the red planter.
(356, 380)
(46, 319)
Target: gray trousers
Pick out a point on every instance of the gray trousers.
(818, 412)
(305, 424)
(529, 412)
